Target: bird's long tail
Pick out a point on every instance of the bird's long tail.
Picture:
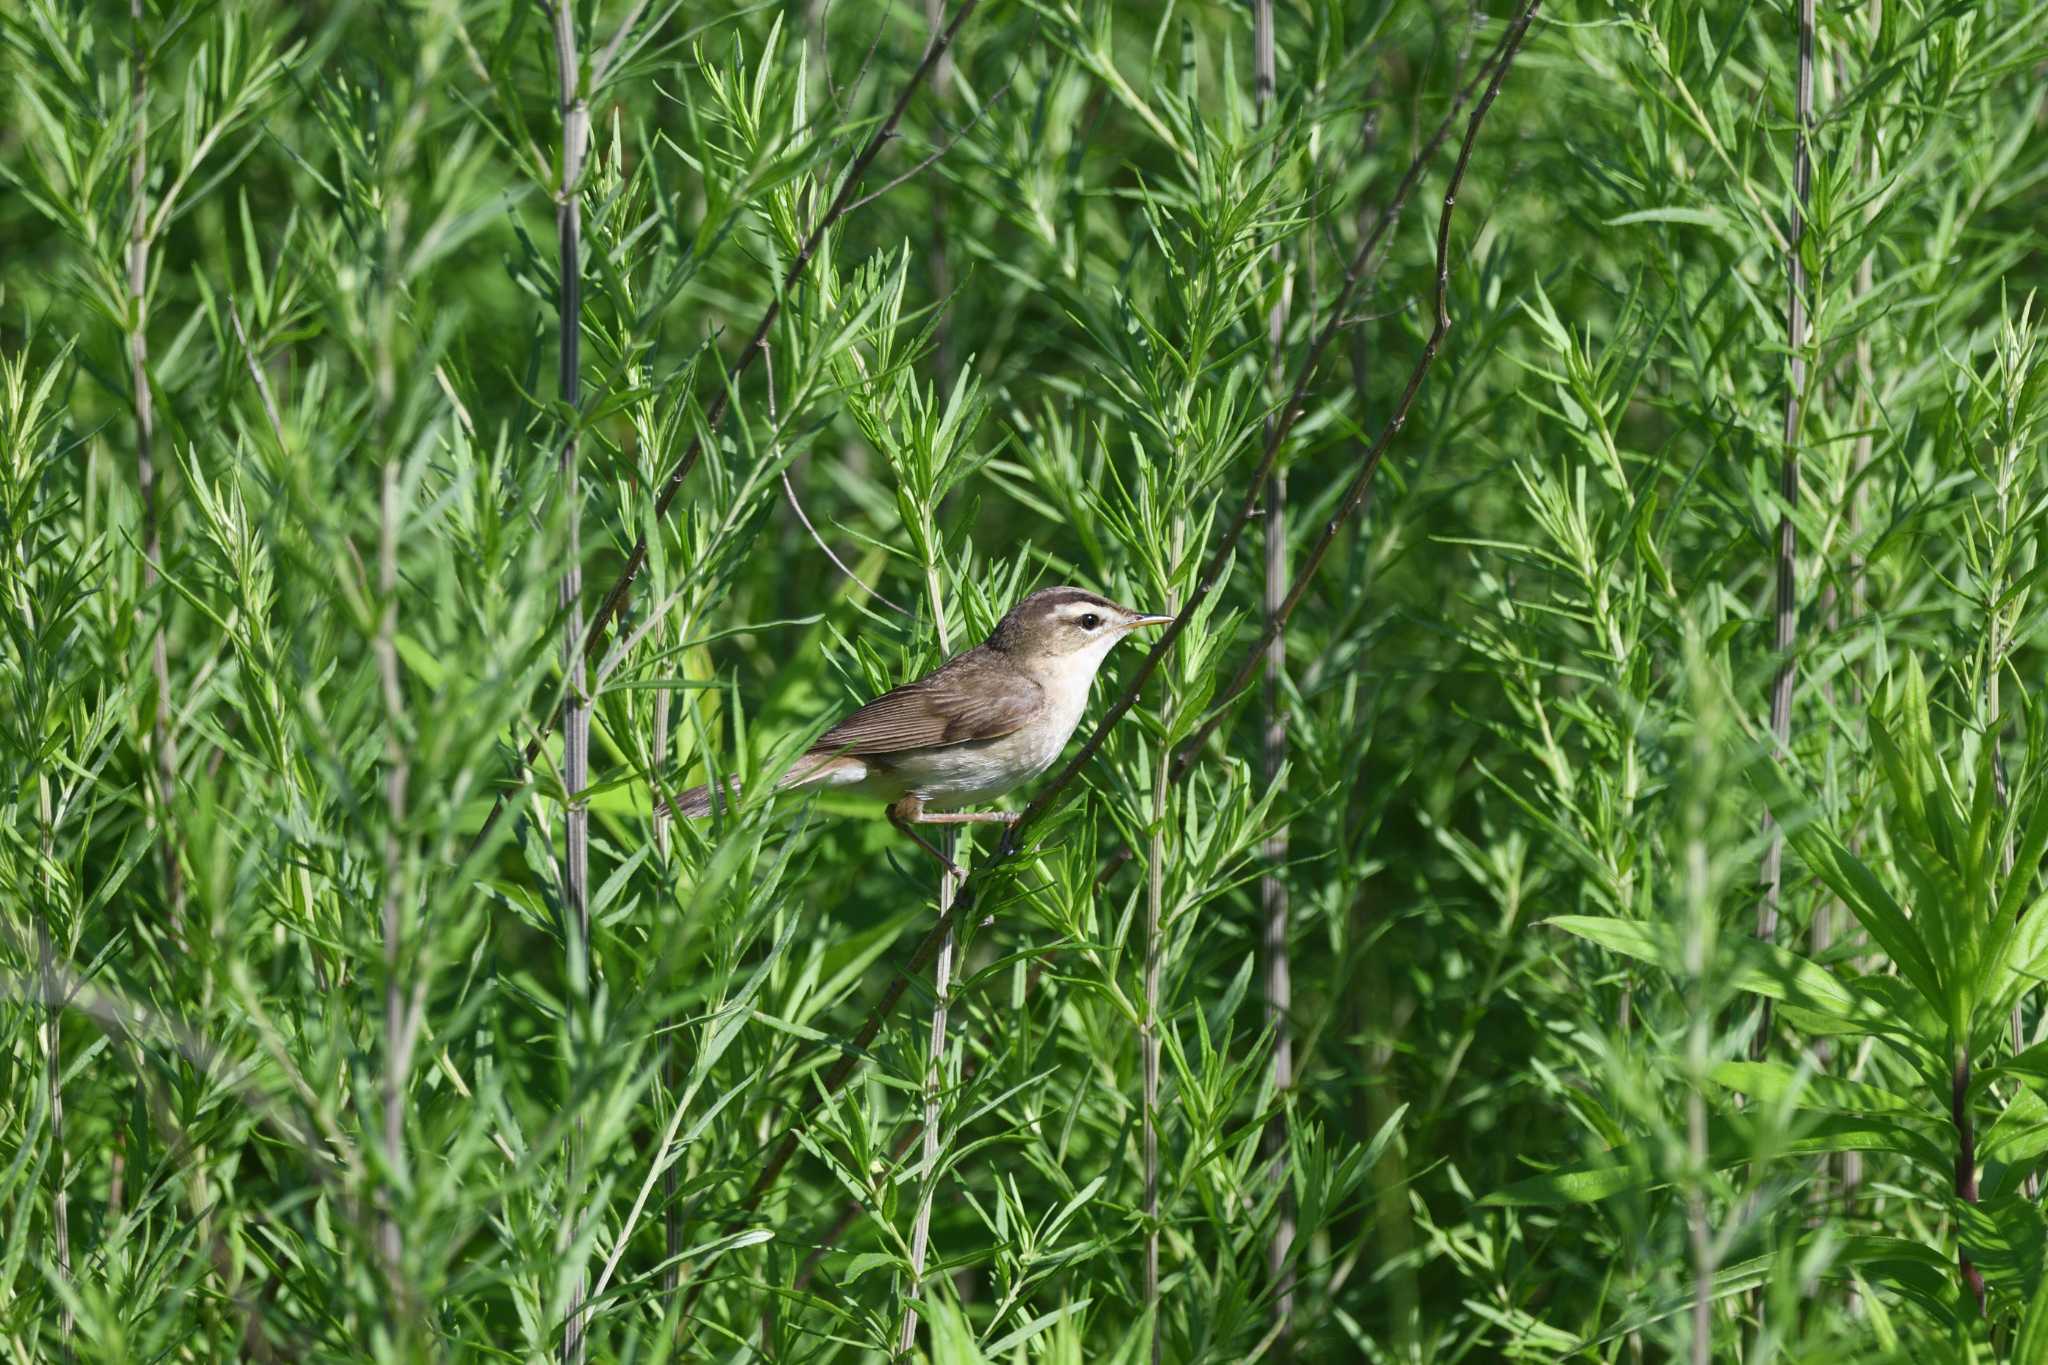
(695, 803)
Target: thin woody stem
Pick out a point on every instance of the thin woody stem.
(1360, 487)
(1785, 608)
(1966, 1164)
(53, 1053)
(1148, 1023)
(161, 738)
(575, 112)
(1273, 899)
(935, 1056)
(398, 1028)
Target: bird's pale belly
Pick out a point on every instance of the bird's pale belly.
(956, 775)
(964, 774)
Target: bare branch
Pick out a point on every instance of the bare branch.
(162, 739)
(1054, 791)
(789, 490)
(939, 153)
(575, 112)
(1785, 606)
(1273, 897)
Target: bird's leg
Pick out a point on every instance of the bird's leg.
(909, 811)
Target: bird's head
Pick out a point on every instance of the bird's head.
(1066, 629)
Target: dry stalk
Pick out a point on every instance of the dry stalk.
(575, 112)
(162, 740)
(1785, 608)
(1273, 900)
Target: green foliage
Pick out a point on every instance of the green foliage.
(300, 1034)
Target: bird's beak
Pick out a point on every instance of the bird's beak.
(1149, 621)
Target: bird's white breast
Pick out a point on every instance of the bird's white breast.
(977, 772)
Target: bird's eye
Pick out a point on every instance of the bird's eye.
(1090, 621)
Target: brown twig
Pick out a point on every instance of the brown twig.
(1786, 606)
(789, 491)
(715, 412)
(163, 741)
(936, 155)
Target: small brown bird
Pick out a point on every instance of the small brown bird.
(982, 724)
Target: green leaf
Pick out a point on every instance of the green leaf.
(1774, 1082)
(1632, 1167)
(1849, 878)
(1585, 1184)
(2019, 1135)
(1762, 969)
(2004, 1238)
(2031, 1342)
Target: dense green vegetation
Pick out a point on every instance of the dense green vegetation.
(1607, 925)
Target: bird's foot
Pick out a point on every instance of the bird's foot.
(910, 811)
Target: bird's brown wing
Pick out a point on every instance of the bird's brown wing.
(967, 699)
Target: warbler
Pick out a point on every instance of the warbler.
(980, 725)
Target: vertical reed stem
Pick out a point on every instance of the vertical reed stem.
(1785, 609)
(397, 1027)
(53, 1053)
(576, 704)
(1148, 1028)
(1852, 1162)
(1273, 900)
(935, 1056)
(671, 1221)
(161, 738)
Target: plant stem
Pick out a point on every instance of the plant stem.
(1786, 609)
(575, 114)
(1966, 1166)
(161, 739)
(1273, 902)
(53, 1054)
(935, 1056)
(1148, 1022)
(671, 1220)
(397, 1027)
(949, 842)
(1852, 1162)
